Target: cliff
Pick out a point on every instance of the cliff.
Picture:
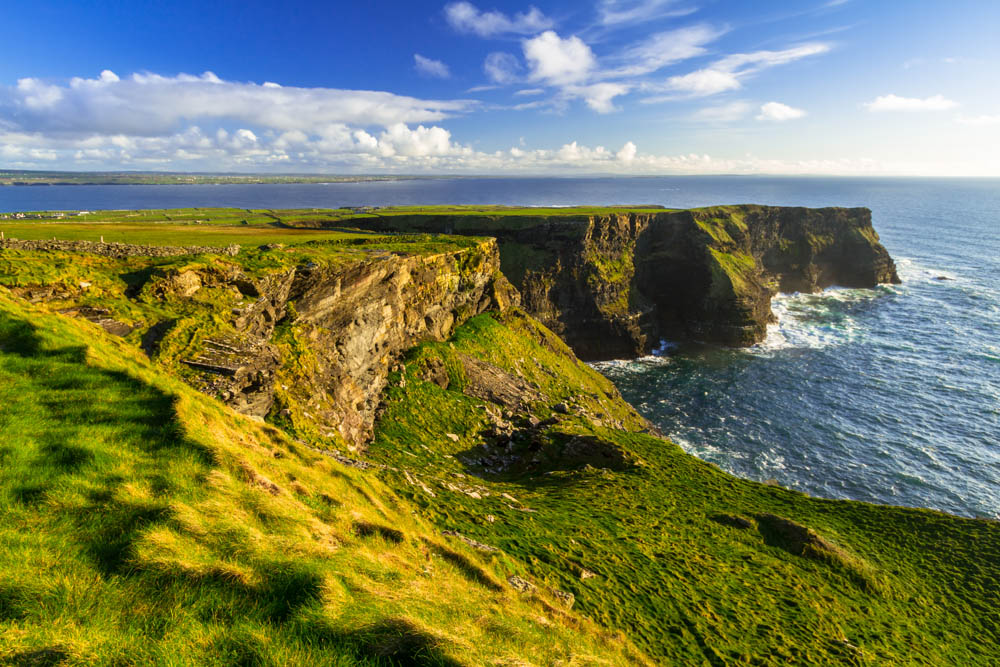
(614, 284)
(304, 335)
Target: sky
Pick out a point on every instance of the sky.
(627, 87)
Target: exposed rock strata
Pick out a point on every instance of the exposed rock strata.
(614, 285)
(342, 328)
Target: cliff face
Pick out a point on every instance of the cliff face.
(304, 336)
(613, 285)
(315, 347)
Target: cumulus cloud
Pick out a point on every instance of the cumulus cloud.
(431, 67)
(627, 152)
(556, 60)
(896, 103)
(466, 17)
(598, 96)
(501, 68)
(396, 149)
(776, 111)
(726, 74)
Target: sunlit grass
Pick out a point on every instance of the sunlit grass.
(144, 523)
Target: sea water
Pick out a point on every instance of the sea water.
(887, 395)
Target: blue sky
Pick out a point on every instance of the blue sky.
(610, 86)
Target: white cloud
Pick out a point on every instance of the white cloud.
(421, 142)
(723, 113)
(726, 73)
(431, 67)
(895, 103)
(664, 48)
(529, 91)
(598, 96)
(501, 67)
(776, 111)
(556, 60)
(627, 153)
(624, 12)
(979, 120)
(466, 17)
(155, 105)
(35, 94)
(758, 60)
(405, 150)
(704, 82)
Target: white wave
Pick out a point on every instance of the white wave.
(911, 271)
(813, 321)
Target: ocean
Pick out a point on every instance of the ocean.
(889, 395)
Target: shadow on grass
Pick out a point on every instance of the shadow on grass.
(79, 422)
(12, 599)
(470, 570)
(39, 657)
(531, 461)
(390, 642)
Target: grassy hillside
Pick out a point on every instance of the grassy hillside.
(512, 508)
(142, 523)
(697, 566)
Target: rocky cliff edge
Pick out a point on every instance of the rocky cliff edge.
(614, 284)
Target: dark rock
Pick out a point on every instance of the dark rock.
(613, 286)
(99, 316)
(434, 371)
(519, 584)
(567, 599)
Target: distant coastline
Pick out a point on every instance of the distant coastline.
(13, 177)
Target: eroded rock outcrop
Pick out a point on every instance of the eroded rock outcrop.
(316, 344)
(614, 285)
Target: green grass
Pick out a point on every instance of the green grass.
(733, 274)
(840, 582)
(144, 523)
(170, 234)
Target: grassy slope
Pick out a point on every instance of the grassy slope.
(148, 496)
(899, 585)
(141, 522)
